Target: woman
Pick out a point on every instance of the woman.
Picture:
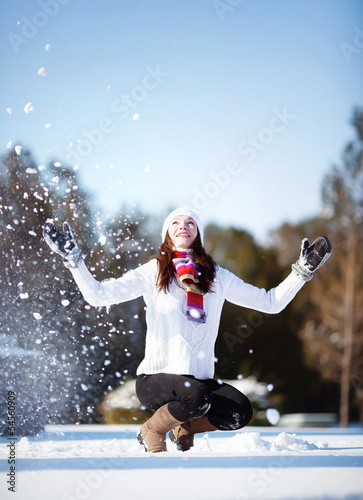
(184, 291)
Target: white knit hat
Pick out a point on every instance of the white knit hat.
(181, 211)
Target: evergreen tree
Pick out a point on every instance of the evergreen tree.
(87, 350)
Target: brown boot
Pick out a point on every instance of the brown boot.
(153, 432)
(183, 435)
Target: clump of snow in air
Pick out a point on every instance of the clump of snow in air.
(48, 125)
(273, 416)
(65, 302)
(102, 239)
(135, 116)
(147, 169)
(9, 110)
(47, 47)
(18, 150)
(24, 295)
(28, 107)
(42, 72)
(9, 144)
(31, 170)
(37, 315)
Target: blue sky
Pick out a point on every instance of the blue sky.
(235, 108)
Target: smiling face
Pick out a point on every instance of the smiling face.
(183, 231)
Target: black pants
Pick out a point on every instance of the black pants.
(189, 398)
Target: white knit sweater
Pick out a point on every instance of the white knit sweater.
(173, 343)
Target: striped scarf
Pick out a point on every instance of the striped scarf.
(187, 272)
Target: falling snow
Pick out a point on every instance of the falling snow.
(29, 107)
(273, 416)
(42, 72)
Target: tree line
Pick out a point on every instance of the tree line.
(311, 353)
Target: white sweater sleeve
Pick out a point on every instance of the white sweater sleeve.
(131, 285)
(275, 300)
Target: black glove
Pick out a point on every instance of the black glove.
(312, 257)
(63, 244)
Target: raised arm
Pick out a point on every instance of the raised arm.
(275, 300)
(252, 297)
(130, 286)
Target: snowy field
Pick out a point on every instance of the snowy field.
(106, 462)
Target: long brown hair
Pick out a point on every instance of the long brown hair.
(206, 267)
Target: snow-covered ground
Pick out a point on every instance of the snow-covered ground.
(106, 462)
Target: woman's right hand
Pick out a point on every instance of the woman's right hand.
(64, 244)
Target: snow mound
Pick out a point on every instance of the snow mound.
(289, 442)
(252, 441)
